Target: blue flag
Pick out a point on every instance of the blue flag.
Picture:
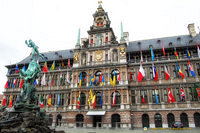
(188, 54)
(24, 68)
(156, 97)
(101, 102)
(58, 99)
(152, 54)
(91, 81)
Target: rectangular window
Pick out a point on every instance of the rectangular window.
(198, 69)
(151, 73)
(90, 58)
(91, 41)
(133, 96)
(174, 71)
(165, 95)
(106, 58)
(187, 73)
(162, 72)
(178, 95)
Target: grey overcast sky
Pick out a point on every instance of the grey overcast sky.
(53, 24)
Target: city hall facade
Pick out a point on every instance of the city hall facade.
(137, 104)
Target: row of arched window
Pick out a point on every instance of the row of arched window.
(170, 120)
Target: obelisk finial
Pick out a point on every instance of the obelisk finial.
(78, 38)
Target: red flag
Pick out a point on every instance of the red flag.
(163, 48)
(100, 79)
(52, 81)
(4, 100)
(130, 75)
(113, 100)
(11, 100)
(155, 73)
(182, 94)
(69, 63)
(21, 83)
(167, 75)
(94, 101)
(79, 98)
(119, 77)
(141, 73)
(170, 97)
(143, 100)
(45, 68)
(7, 84)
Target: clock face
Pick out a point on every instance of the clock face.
(98, 55)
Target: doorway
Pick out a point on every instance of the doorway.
(95, 120)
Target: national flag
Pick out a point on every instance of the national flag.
(141, 74)
(58, 99)
(163, 49)
(10, 72)
(155, 73)
(118, 77)
(16, 69)
(152, 54)
(111, 81)
(69, 63)
(114, 80)
(24, 68)
(100, 79)
(21, 83)
(180, 72)
(156, 96)
(90, 98)
(53, 66)
(102, 82)
(130, 75)
(196, 91)
(52, 80)
(94, 101)
(45, 68)
(61, 79)
(113, 100)
(14, 83)
(101, 102)
(7, 84)
(79, 98)
(41, 101)
(176, 54)
(191, 69)
(63, 64)
(4, 101)
(141, 57)
(35, 82)
(68, 80)
(171, 99)
(43, 82)
(198, 50)
(167, 75)
(80, 79)
(188, 54)
(143, 99)
(11, 101)
(182, 94)
(91, 81)
(49, 100)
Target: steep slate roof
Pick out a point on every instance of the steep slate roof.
(145, 44)
(51, 55)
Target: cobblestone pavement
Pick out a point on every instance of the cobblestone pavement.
(90, 130)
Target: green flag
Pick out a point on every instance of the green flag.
(196, 91)
(61, 79)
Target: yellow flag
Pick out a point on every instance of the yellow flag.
(90, 98)
(111, 82)
(114, 80)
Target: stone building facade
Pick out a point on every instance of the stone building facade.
(101, 53)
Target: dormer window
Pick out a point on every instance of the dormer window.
(170, 44)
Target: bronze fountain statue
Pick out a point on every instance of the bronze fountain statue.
(25, 116)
